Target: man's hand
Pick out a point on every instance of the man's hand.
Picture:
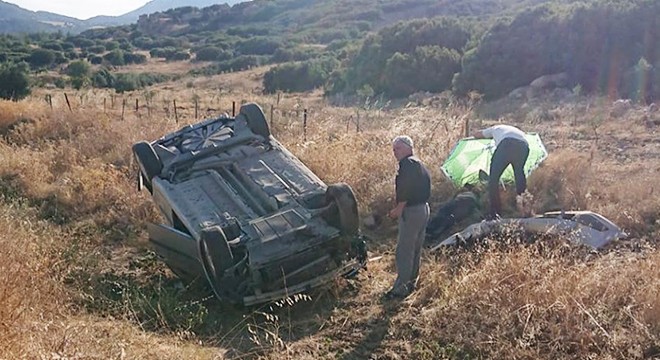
(397, 211)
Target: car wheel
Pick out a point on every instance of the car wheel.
(256, 120)
(346, 217)
(150, 165)
(216, 256)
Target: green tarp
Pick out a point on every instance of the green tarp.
(470, 155)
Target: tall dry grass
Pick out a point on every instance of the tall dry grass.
(77, 280)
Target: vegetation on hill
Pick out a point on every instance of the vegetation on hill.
(78, 279)
(393, 48)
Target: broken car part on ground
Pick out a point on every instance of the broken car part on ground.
(579, 227)
(244, 214)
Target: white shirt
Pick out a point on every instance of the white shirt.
(501, 132)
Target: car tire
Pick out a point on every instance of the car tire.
(346, 217)
(256, 120)
(216, 256)
(148, 161)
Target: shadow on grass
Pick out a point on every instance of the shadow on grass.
(149, 296)
(378, 328)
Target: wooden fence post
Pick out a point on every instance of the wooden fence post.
(104, 108)
(196, 108)
(272, 111)
(123, 108)
(233, 109)
(176, 115)
(305, 125)
(67, 102)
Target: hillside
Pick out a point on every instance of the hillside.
(78, 278)
(151, 7)
(14, 19)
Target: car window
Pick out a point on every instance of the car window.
(591, 221)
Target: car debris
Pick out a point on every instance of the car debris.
(579, 227)
(246, 215)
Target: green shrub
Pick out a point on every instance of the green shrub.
(96, 49)
(296, 77)
(115, 57)
(429, 68)
(14, 81)
(39, 58)
(209, 53)
(258, 46)
(134, 58)
(103, 78)
(78, 69)
(401, 48)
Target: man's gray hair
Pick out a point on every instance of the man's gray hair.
(405, 139)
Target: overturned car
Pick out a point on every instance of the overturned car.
(579, 227)
(244, 214)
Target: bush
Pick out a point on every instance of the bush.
(103, 79)
(210, 53)
(96, 60)
(78, 69)
(297, 53)
(169, 54)
(594, 43)
(133, 58)
(419, 41)
(126, 82)
(298, 77)
(144, 43)
(14, 81)
(258, 46)
(56, 46)
(115, 57)
(39, 58)
(429, 68)
(178, 56)
(112, 45)
(641, 82)
(96, 49)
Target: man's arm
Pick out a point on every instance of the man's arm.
(483, 134)
(403, 190)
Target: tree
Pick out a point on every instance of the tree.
(41, 58)
(14, 81)
(79, 72)
(115, 57)
(78, 69)
(209, 53)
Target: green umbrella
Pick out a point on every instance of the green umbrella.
(470, 156)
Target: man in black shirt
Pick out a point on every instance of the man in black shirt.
(413, 189)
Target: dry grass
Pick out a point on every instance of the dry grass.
(77, 281)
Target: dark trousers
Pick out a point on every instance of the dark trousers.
(461, 207)
(509, 151)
